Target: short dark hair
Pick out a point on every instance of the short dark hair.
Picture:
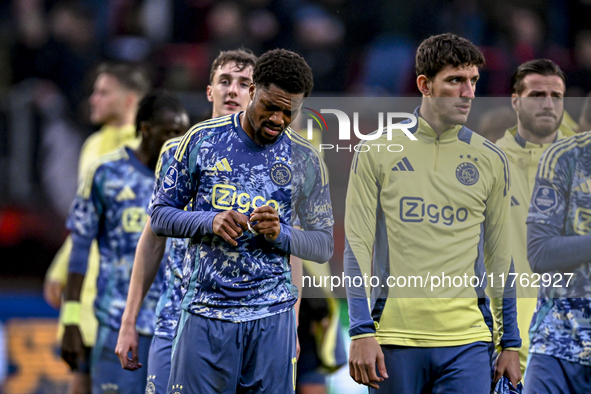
(285, 69)
(154, 104)
(538, 66)
(133, 76)
(441, 50)
(242, 57)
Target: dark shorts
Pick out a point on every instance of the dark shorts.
(217, 356)
(159, 365)
(548, 374)
(309, 362)
(453, 369)
(106, 372)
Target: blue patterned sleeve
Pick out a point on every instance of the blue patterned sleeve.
(177, 188)
(313, 211)
(549, 248)
(79, 255)
(549, 199)
(315, 208)
(83, 221)
(164, 161)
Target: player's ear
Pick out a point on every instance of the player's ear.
(424, 85)
(209, 93)
(251, 91)
(144, 129)
(514, 100)
(131, 100)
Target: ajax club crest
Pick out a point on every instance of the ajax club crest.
(467, 174)
(150, 388)
(280, 174)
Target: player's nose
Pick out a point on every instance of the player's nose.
(92, 99)
(468, 90)
(547, 102)
(277, 118)
(233, 89)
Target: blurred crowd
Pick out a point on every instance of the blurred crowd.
(352, 46)
(49, 48)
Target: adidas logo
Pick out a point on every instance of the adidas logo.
(125, 194)
(514, 202)
(584, 187)
(403, 165)
(222, 165)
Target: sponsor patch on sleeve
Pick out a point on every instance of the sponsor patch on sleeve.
(545, 199)
(170, 178)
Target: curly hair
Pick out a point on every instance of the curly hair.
(538, 66)
(242, 57)
(154, 104)
(441, 50)
(285, 69)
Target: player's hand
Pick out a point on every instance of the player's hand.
(73, 347)
(298, 348)
(267, 222)
(52, 292)
(128, 342)
(508, 365)
(363, 356)
(230, 225)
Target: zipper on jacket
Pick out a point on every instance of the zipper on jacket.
(437, 153)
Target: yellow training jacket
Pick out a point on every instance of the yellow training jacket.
(440, 207)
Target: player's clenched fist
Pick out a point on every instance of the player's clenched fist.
(267, 222)
(230, 225)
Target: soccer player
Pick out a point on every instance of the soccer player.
(118, 88)
(585, 117)
(537, 96)
(249, 176)
(446, 212)
(110, 207)
(319, 329)
(230, 80)
(559, 250)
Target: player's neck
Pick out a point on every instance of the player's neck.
(126, 119)
(119, 123)
(246, 126)
(438, 126)
(528, 136)
(142, 155)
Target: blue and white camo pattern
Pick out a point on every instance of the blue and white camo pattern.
(111, 206)
(561, 326)
(169, 305)
(220, 168)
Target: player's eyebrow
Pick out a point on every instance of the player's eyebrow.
(229, 76)
(275, 106)
(462, 77)
(552, 92)
(225, 75)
